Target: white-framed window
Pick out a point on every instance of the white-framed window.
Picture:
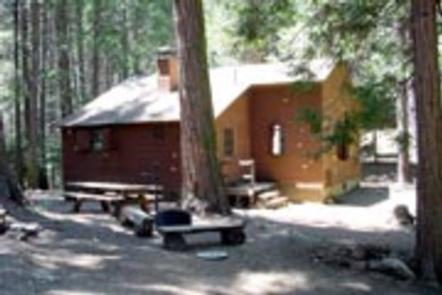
(276, 140)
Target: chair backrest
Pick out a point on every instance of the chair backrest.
(249, 173)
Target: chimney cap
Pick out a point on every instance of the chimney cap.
(166, 51)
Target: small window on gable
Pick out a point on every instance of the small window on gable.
(158, 132)
(343, 151)
(229, 142)
(276, 140)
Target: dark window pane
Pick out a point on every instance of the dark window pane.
(342, 151)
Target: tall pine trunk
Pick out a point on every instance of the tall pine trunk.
(202, 186)
(42, 99)
(79, 5)
(17, 94)
(125, 43)
(9, 187)
(403, 118)
(404, 136)
(30, 91)
(64, 64)
(429, 123)
(96, 52)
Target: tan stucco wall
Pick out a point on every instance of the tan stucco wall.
(297, 166)
(337, 100)
(237, 118)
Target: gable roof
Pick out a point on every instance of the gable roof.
(138, 99)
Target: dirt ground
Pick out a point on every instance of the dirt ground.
(90, 253)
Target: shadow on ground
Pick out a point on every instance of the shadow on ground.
(90, 253)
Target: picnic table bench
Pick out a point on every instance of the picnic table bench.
(122, 193)
(231, 233)
(106, 201)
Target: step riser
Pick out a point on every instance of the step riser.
(277, 203)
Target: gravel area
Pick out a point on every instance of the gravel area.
(90, 253)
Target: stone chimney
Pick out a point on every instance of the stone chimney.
(167, 69)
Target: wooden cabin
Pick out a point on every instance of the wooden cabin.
(132, 130)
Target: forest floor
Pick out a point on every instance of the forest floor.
(90, 253)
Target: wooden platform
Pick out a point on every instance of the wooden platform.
(259, 194)
(247, 189)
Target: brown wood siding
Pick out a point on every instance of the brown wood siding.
(236, 117)
(278, 104)
(136, 150)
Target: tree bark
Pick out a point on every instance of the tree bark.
(30, 94)
(96, 55)
(43, 182)
(79, 5)
(402, 116)
(125, 43)
(202, 188)
(429, 123)
(17, 94)
(9, 187)
(403, 136)
(64, 64)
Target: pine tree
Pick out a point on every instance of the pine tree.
(429, 118)
(202, 188)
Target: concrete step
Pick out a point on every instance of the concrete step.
(268, 195)
(276, 203)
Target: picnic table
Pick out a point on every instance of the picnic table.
(118, 194)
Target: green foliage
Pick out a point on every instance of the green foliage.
(252, 25)
(377, 105)
(343, 132)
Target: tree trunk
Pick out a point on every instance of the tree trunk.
(202, 188)
(374, 141)
(402, 116)
(9, 187)
(429, 122)
(43, 183)
(403, 136)
(64, 72)
(96, 56)
(17, 94)
(80, 50)
(125, 41)
(30, 89)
